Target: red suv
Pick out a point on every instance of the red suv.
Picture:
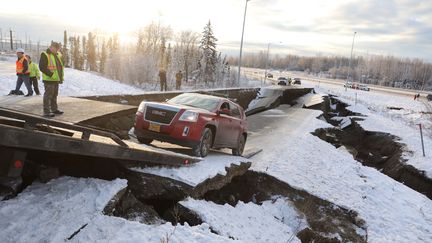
(193, 120)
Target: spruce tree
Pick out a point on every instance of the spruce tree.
(91, 52)
(140, 44)
(84, 53)
(109, 47)
(77, 53)
(115, 43)
(103, 57)
(65, 50)
(208, 54)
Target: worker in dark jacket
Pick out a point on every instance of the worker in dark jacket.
(51, 66)
(179, 77)
(163, 80)
(22, 71)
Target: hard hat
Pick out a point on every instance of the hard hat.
(20, 50)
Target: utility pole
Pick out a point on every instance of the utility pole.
(350, 60)
(11, 41)
(267, 59)
(241, 44)
(1, 38)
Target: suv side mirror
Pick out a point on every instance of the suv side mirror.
(225, 111)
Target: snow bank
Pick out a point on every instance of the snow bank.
(112, 229)
(77, 83)
(392, 211)
(276, 221)
(402, 123)
(408, 135)
(54, 211)
(412, 111)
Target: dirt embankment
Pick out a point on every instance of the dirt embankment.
(325, 220)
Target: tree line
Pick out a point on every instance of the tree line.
(157, 47)
(371, 69)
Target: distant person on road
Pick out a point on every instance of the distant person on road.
(22, 71)
(34, 74)
(179, 77)
(163, 80)
(52, 69)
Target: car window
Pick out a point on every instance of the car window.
(235, 112)
(225, 105)
(194, 100)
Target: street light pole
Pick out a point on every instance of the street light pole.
(266, 67)
(241, 44)
(349, 65)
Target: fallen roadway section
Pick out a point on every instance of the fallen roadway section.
(30, 143)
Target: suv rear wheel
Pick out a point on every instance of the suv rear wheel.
(240, 147)
(203, 148)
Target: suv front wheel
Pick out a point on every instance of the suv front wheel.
(240, 147)
(203, 148)
(145, 140)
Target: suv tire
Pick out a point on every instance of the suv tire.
(203, 148)
(144, 140)
(240, 146)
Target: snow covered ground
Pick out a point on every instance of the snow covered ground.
(412, 111)
(273, 221)
(52, 212)
(80, 83)
(77, 83)
(392, 211)
(402, 123)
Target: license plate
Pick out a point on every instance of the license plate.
(154, 127)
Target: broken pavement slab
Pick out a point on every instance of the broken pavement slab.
(212, 173)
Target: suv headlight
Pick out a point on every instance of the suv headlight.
(141, 107)
(190, 116)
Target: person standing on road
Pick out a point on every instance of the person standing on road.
(179, 77)
(52, 70)
(163, 80)
(34, 75)
(22, 71)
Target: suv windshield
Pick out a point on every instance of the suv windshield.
(200, 101)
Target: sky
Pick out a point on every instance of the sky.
(308, 27)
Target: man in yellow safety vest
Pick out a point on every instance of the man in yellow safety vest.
(52, 68)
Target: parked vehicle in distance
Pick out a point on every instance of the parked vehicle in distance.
(348, 85)
(193, 120)
(269, 75)
(362, 87)
(352, 85)
(282, 81)
(296, 81)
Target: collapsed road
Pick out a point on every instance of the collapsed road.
(156, 197)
